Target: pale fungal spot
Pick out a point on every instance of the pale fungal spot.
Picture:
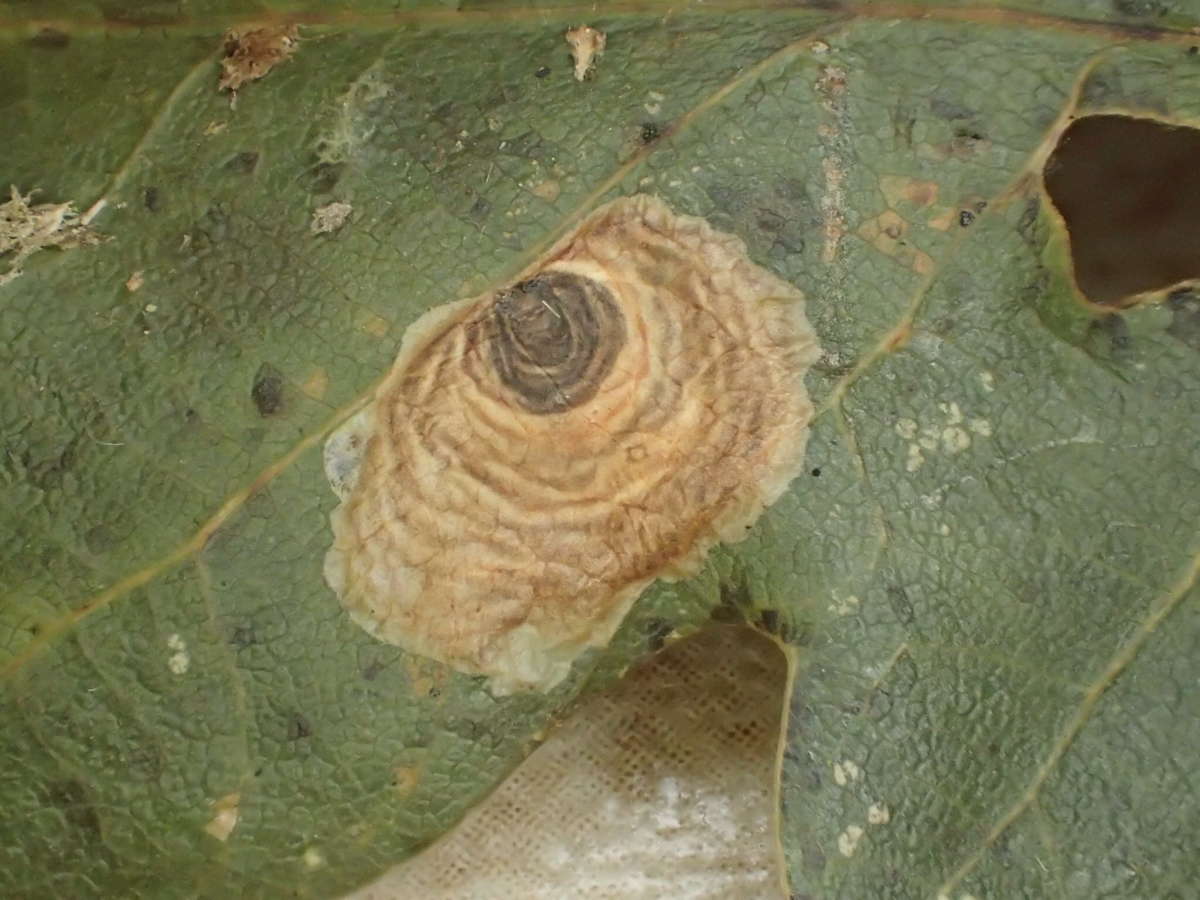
(955, 440)
(586, 45)
(888, 233)
(26, 229)
(845, 607)
(981, 427)
(250, 53)
(819, 47)
(151, 307)
(134, 282)
(901, 190)
(952, 413)
(316, 384)
(653, 104)
(313, 858)
(845, 772)
(540, 454)
(944, 530)
(225, 816)
(988, 380)
(848, 840)
(179, 660)
(906, 428)
(547, 190)
(330, 217)
(878, 814)
(915, 460)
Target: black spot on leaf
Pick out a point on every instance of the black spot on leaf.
(1109, 336)
(50, 39)
(657, 631)
(267, 390)
(1185, 317)
(243, 163)
(299, 728)
(243, 637)
(324, 177)
(70, 798)
(542, 72)
(650, 132)
(965, 217)
(901, 605)
(151, 199)
(948, 109)
(1129, 192)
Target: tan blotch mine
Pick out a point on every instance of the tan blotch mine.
(250, 53)
(540, 454)
(586, 44)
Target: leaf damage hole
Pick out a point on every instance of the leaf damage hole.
(1129, 191)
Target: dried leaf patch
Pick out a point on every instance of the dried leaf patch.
(252, 53)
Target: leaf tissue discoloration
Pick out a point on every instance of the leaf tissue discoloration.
(539, 455)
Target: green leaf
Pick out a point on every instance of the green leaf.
(990, 583)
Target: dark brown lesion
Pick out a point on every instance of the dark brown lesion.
(555, 338)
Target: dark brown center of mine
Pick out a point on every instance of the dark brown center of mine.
(556, 337)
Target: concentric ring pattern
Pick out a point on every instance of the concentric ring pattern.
(540, 454)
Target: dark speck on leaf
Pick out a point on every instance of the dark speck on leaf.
(657, 631)
(53, 39)
(267, 391)
(243, 163)
(150, 199)
(816, 473)
(1193, 50)
(542, 72)
(965, 218)
(650, 132)
(298, 727)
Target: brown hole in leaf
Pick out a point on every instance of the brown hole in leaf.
(1129, 192)
(540, 454)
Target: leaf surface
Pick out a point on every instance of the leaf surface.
(989, 574)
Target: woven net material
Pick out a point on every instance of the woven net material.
(659, 787)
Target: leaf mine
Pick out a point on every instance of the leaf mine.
(540, 454)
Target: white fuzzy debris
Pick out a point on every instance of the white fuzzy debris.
(906, 428)
(225, 818)
(988, 380)
(330, 218)
(586, 43)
